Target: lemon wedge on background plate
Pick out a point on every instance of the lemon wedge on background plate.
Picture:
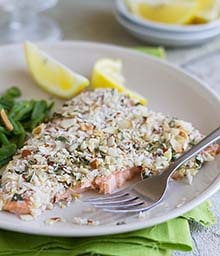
(51, 75)
(207, 10)
(163, 11)
(107, 73)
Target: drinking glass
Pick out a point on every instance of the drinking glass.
(25, 23)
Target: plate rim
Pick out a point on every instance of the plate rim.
(171, 39)
(196, 83)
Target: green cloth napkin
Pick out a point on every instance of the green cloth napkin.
(202, 214)
(158, 240)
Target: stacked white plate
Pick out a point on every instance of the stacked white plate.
(166, 35)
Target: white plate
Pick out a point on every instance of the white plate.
(168, 89)
(122, 8)
(166, 38)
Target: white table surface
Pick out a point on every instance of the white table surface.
(93, 20)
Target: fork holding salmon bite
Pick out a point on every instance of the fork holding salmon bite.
(99, 140)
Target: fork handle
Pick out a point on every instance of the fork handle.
(204, 143)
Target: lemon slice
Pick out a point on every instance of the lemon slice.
(107, 73)
(207, 10)
(164, 11)
(136, 96)
(51, 75)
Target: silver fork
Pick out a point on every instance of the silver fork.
(147, 193)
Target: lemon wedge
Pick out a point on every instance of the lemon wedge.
(163, 11)
(207, 10)
(51, 75)
(107, 73)
(136, 96)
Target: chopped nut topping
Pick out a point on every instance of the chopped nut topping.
(94, 164)
(94, 136)
(25, 153)
(53, 220)
(5, 120)
(36, 130)
(85, 221)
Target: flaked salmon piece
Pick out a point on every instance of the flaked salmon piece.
(70, 193)
(105, 185)
(17, 207)
(109, 184)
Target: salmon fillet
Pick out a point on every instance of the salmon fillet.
(99, 140)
